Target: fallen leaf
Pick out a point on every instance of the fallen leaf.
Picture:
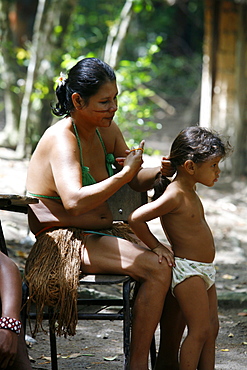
(230, 335)
(110, 358)
(46, 358)
(242, 314)
(244, 343)
(229, 277)
(75, 355)
(224, 350)
(31, 359)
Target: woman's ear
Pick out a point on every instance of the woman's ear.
(189, 165)
(77, 101)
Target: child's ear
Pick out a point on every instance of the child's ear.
(189, 165)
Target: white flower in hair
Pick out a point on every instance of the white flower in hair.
(61, 79)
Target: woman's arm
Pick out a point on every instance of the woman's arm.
(55, 169)
(10, 292)
(78, 199)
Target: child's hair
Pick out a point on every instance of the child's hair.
(194, 143)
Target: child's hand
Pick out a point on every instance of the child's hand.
(164, 251)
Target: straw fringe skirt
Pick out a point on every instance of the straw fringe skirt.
(52, 274)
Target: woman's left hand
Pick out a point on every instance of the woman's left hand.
(166, 168)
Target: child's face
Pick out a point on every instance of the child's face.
(207, 173)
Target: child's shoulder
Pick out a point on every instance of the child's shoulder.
(174, 191)
(179, 190)
(175, 187)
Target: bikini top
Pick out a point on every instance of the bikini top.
(87, 178)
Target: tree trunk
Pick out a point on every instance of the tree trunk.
(32, 67)
(240, 152)
(49, 14)
(9, 76)
(224, 96)
(59, 14)
(117, 35)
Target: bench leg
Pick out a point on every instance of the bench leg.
(53, 343)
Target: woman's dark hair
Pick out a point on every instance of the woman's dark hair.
(85, 78)
(194, 143)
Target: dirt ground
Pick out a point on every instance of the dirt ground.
(98, 345)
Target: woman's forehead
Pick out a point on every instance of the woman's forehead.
(109, 88)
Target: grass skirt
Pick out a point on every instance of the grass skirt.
(52, 273)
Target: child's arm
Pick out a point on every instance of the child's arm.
(138, 221)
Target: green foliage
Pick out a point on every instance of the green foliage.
(136, 111)
(89, 27)
(161, 55)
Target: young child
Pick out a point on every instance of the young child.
(195, 153)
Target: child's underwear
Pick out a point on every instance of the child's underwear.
(186, 268)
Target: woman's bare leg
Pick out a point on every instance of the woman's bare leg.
(117, 256)
(172, 326)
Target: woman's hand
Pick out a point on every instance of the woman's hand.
(166, 252)
(133, 159)
(166, 168)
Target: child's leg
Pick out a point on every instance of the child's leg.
(207, 359)
(192, 297)
(171, 330)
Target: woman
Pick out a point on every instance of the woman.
(71, 174)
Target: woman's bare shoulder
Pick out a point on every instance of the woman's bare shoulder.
(59, 128)
(56, 134)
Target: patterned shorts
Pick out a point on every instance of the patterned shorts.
(186, 268)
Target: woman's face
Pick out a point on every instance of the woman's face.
(102, 106)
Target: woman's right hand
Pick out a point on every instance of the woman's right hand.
(133, 160)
